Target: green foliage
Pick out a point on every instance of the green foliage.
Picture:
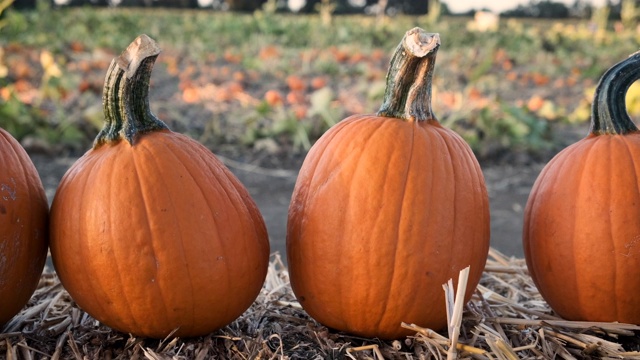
(20, 119)
(321, 106)
(267, 121)
(24, 121)
(516, 127)
(502, 126)
(31, 119)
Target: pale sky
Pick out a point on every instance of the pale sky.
(497, 6)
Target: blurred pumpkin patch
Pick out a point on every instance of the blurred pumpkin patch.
(290, 78)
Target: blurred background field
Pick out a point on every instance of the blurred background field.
(259, 86)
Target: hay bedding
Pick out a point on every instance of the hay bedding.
(506, 319)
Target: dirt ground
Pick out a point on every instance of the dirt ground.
(508, 186)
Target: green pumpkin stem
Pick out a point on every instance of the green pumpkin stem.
(408, 92)
(609, 112)
(125, 96)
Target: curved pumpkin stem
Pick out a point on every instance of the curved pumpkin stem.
(609, 112)
(125, 96)
(408, 92)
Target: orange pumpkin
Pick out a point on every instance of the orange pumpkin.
(150, 232)
(582, 220)
(24, 213)
(386, 209)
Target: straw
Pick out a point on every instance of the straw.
(506, 318)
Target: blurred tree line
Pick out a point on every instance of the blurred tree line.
(616, 9)
(413, 7)
(583, 9)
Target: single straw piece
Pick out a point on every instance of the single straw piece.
(454, 311)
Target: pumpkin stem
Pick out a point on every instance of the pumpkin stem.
(408, 92)
(125, 96)
(608, 112)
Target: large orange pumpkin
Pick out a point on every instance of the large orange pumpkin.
(24, 213)
(582, 220)
(386, 209)
(150, 232)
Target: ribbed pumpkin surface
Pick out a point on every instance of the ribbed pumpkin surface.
(158, 236)
(384, 212)
(24, 213)
(582, 230)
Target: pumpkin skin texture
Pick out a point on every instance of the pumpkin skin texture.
(24, 214)
(158, 234)
(386, 210)
(581, 231)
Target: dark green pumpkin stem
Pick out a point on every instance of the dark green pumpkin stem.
(408, 92)
(609, 112)
(125, 96)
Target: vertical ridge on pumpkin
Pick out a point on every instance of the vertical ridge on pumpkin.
(544, 185)
(399, 223)
(190, 186)
(227, 191)
(121, 250)
(218, 226)
(85, 277)
(613, 233)
(625, 241)
(635, 241)
(580, 208)
(452, 175)
(222, 193)
(160, 293)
